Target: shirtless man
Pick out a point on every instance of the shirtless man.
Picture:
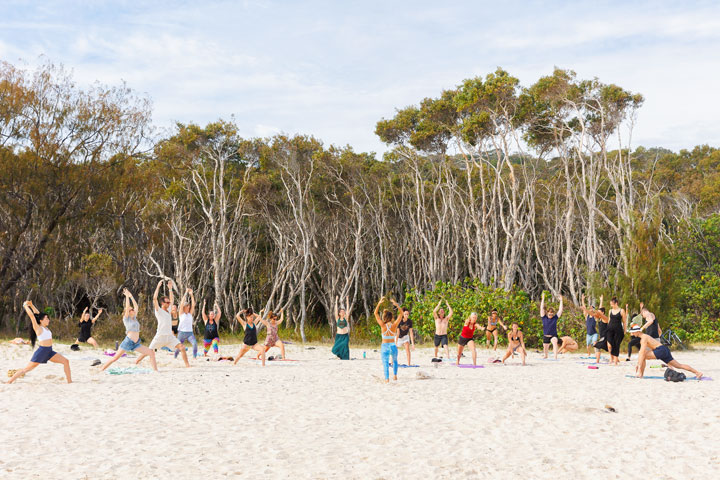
(441, 327)
(653, 349)
(567, 344)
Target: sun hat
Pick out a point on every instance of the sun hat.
(634, 328)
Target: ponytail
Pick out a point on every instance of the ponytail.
(33, 335)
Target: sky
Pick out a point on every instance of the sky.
(332, 69)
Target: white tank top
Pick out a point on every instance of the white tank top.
(186, 323)
(45, 335)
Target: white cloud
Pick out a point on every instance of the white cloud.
(333, 69)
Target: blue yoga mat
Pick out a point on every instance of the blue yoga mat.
(659, 377)
(402, 365)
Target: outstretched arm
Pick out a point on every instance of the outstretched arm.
(155, 295)
(132, 299)
(398, 308)
(624, 318)
(31, 311)
(335, 307)
(192, 302)
(450, 311)
(601, 299)
(282, 317)
(435, 310)
(377, 312)
(218, 312)
(98, 315)
(204, 315)
(560, 308)
(240, 319)
(171, 287)
(582, 305)
(348, 308)
(542, 304)
(126, 311)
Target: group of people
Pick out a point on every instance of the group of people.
(604, 332)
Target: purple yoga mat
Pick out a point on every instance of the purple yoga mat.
(469, 366)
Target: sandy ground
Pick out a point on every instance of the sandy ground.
(324, 418)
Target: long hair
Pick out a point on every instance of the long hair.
(33, 336)
(388, 316)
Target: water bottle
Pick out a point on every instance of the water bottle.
(364, 355)
(116, 345)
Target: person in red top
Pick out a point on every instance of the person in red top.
(466, 337)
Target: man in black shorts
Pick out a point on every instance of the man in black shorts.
(441, 327)
(653, 349)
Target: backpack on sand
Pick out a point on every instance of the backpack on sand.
(674, 376)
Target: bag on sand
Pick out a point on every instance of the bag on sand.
(674, 376)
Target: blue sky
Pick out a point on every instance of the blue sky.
(334, 68)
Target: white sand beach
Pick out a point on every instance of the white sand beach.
(325, 418)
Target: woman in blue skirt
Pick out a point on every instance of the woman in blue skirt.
(40, 333)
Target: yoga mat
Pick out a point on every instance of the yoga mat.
(112, 354)
(127, 370)
(402, 365)
(593, 363)
(658, 377)
(468, 366)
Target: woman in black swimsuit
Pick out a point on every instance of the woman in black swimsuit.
(250, 341)
(616, 327)
(86, 323)
(516, 343)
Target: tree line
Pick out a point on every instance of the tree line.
(522, 188)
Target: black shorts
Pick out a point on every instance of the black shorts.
(463, 341)
(83, 338)
(663, 353)
(548, 339)
(441, 340)
(175, 329)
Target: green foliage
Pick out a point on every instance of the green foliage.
(698, 248)
(465, 298)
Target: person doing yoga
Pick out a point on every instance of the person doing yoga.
(650, 326)
(591, 336)
(44, 353)
(651, 348)
(131, 342)
(516, 343)
(602, 322)
(388, 329)
(164, 336)
(491, 331)
(467, 335)
(616, 330)
(567, 344)
(186, 325)
(86, 323)
(248, 319)
(549, 322)
(341, 348)
(212, 332)
(441, 327)
(272, 339)
(405, 332)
